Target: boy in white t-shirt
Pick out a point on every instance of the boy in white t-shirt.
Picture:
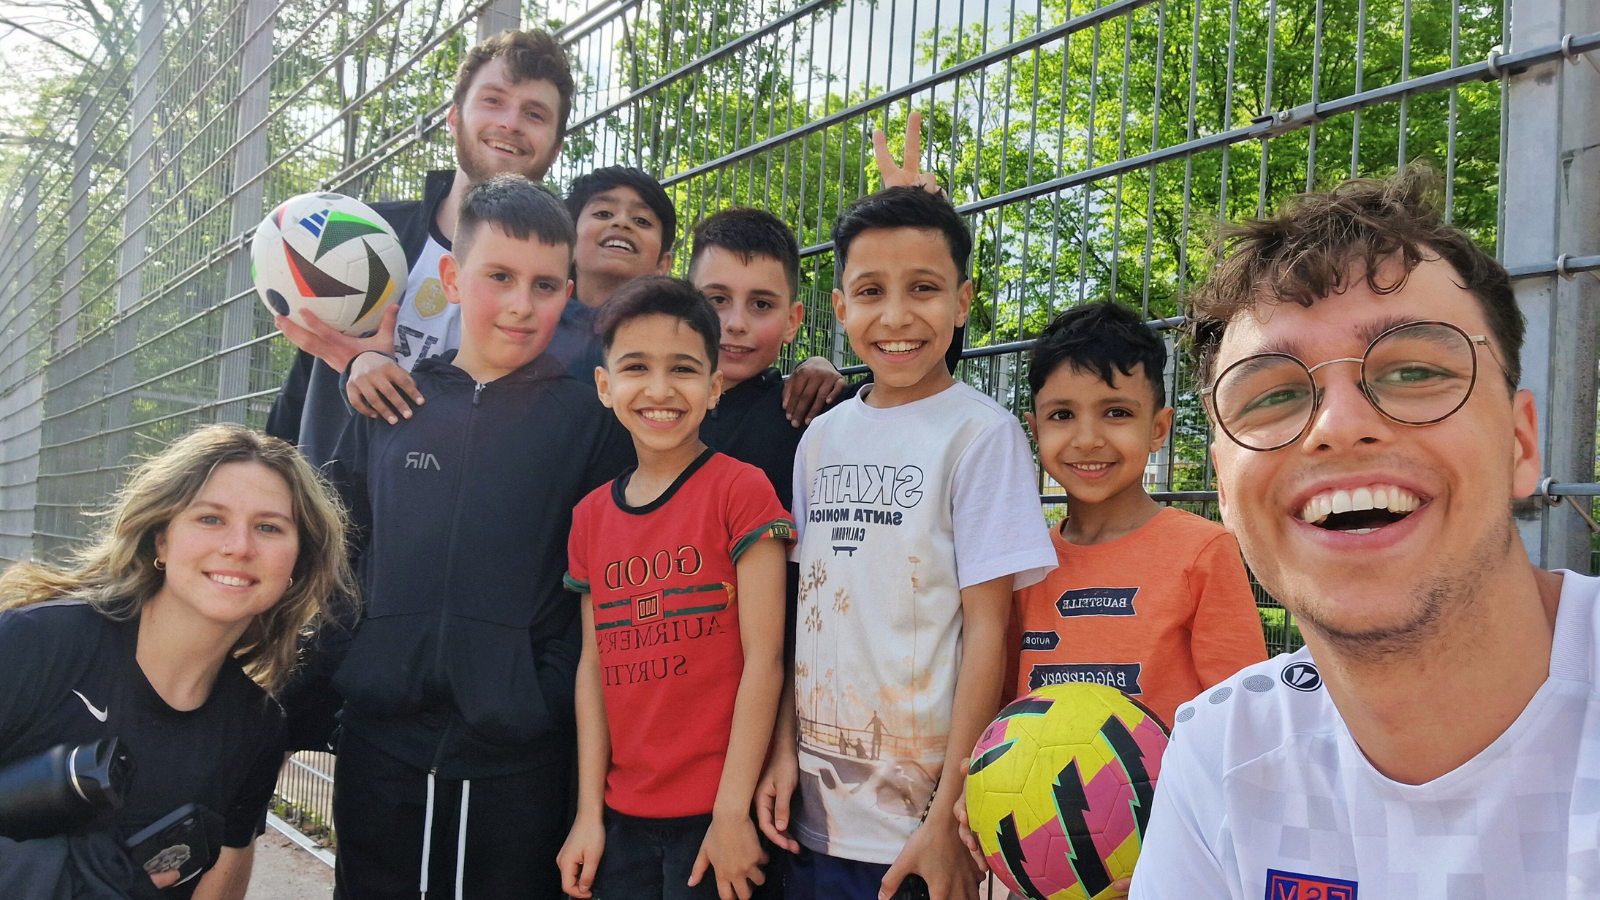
(1437, 736)
(917, 513)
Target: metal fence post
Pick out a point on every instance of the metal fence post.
(17, 308)
(130, 259)
(250, 159)
(21, 408)
(83, 152)
(499, 16)
(1551, 194)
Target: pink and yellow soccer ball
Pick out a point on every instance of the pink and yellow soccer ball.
(1059, 790)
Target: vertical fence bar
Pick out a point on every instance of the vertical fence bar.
(20, 408)
(249, 161)
(1552, 206)
(499, 16)
(83, 154)
(135, 216)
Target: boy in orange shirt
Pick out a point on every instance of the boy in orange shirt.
(1152, 601)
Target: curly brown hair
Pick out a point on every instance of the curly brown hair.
(529, 56)
(1319, 242)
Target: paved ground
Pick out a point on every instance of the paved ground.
(285, 872)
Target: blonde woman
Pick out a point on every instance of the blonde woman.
(171, 632)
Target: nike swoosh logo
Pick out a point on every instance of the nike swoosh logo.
(97, 713)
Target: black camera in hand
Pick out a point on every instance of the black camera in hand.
(63, 788)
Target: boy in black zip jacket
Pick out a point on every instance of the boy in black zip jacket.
(459, 682)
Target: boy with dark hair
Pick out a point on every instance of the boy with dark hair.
(461, 673)
(1152, 601)
(682, 623)
(917, 515)
(626, 228)
(747, 263)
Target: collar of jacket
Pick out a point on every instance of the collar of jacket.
(544, 367)
(435, 188)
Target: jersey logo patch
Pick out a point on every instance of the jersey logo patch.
(1302, 676)
(430, 299)
(1040, 640)
(1096, 602)
(1122, 676)
(418, 460)
(97, 713)
(1294, 886)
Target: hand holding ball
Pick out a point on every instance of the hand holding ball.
(1059, 790)
(329, 254)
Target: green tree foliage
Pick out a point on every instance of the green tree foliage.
(356, 91)
(1162, 75)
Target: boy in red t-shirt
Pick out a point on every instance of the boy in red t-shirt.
(1152, 601)
(683, 612)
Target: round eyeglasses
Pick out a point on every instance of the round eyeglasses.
(1418, 373)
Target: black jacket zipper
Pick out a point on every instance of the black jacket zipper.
(449, 574)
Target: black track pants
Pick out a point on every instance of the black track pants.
(515, 826)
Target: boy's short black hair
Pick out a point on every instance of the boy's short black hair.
(659, 295)
(906, 206)
(750, 232)
(584, 187)
(516, 206)
(1095, 337)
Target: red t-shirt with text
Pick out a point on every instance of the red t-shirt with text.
(663, 585)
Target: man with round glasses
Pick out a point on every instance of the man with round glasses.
(1360, 362)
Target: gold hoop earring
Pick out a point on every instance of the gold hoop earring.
(290, 584)
(160, 566)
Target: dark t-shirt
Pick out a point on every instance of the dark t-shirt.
(65, 666)
(748, 424)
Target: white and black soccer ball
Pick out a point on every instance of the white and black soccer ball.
(329, 254)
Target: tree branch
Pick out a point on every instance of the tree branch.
(27, 140)
(47, 39)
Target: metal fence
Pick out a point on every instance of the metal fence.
(1091, 144)
(304, 796)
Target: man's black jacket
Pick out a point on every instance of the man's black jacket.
(465, 656)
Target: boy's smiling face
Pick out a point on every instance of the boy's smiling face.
(756, 305)
(511, 294)
(901, 300)
(1095, 438)
(659, 381)
(619, 236)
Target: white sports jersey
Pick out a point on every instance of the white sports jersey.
(1264, 795)
(896, 510)
(428, 324)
